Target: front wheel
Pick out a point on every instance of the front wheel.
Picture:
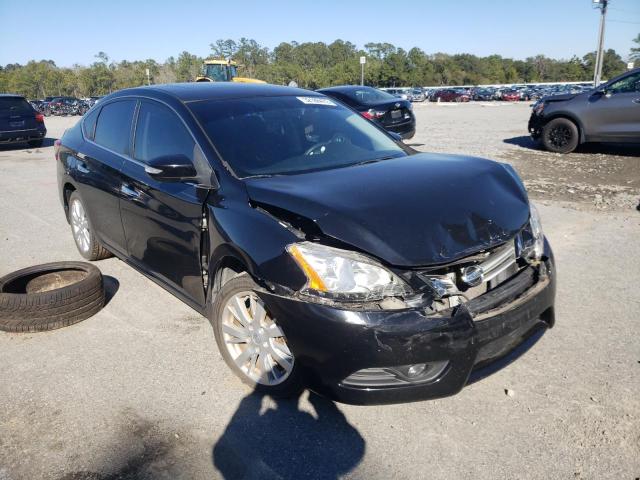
(560, 135)
(251, 342)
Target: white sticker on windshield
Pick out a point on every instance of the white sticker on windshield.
(317, 101)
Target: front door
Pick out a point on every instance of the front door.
(615, 115)
(162, 220)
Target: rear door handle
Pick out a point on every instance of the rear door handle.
(636, 100)
(129, 192)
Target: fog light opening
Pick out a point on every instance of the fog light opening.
(416, 370)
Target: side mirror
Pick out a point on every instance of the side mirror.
(601, 92)
(171, 168)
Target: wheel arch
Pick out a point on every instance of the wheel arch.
(225, 263)
(67, 189)
(573, 118)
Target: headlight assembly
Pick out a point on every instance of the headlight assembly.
(533, 241)
(538, 107)
(343, 275)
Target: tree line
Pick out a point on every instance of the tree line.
(310, 65)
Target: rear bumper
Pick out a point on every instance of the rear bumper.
(405, 130)
(20, 136)
(466, 343)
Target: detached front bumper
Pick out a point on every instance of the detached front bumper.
(458, 346)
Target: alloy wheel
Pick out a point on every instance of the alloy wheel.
(254, 341)
(80, 226)
(560, 136)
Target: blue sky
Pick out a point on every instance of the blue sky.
(73, 31)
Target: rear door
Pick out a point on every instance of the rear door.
(16, 115)
(107, 132)
(616, 115)
(163, 220)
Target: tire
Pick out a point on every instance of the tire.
(35, 143)
(86, 242)
(560, 135)
(50, 296)
(293, 381)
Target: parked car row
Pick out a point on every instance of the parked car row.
(64, 106)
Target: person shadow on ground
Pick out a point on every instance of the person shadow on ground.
(273, 439)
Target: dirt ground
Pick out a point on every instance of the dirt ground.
(139, 390)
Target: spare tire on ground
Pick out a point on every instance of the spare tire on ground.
(49, 296)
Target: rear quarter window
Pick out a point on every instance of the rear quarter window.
(89, 124)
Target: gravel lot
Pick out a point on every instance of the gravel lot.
(139, 390)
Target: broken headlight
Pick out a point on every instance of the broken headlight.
(532, 238)
(343, 275)
(538, 107)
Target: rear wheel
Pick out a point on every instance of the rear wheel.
(35, 143)
(560, 135)
(251, 342)
(87, 243)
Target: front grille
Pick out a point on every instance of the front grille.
(499, 262)
(467, 279)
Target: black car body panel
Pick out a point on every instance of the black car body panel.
(18, 121)
(602, 114)
(485, 206)
(412, 212)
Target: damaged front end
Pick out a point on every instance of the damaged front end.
(371, 333)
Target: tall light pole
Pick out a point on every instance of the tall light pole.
(363, 60)
(597, 75)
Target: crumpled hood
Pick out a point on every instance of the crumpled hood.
(418, 210)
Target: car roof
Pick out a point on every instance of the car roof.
(11, 95)
(344, 88)
(191, 92)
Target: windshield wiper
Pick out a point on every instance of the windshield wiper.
(374, 160)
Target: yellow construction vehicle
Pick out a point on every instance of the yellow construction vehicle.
(216, 70)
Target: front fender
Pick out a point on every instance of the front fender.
(256, 240)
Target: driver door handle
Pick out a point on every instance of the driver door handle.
(129, 192)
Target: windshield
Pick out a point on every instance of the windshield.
(287, 135)
(217, 73)
(368, 95)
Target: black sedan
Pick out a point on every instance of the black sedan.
(325, 253)
(392, 113)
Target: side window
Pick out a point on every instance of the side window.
(89, 124)
(114, 125)
(628, 84)
(159, 132)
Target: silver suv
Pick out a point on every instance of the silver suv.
(609, 113)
